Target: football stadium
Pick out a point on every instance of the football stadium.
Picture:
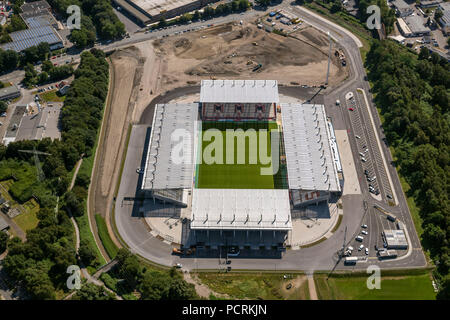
(235, 164)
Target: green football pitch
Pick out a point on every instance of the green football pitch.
(230, 174)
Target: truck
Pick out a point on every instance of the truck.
(350, 260)
(387, 254)
(391, 217)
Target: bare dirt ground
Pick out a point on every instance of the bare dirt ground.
(126, 74)
(233, 51)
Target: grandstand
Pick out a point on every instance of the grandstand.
(266, 159)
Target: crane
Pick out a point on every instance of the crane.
(37, 163)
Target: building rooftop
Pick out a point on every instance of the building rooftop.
(8, 90)
(155, 7)
(24, 39)
(35, 6)
(239, 91)
(44, 124)
(395, 238)
(416, 24)
(172, 123)
(445, 7)
(3, 224)
(401, 5)
(309, 156)
(241, 209)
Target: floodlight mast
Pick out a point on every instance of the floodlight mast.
(329, 58)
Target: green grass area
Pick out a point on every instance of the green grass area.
(347, 21)
(267, 286)
(28, 220)
(409, 287)
(52, 96)
(85, 233)
(243, 170)
(107, 242)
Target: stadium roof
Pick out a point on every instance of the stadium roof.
(241, 209)
(309, 157)
(239, 91)
(24, 39)
(162, 170)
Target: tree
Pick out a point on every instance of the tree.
(424, 53)
(90, 291)
(438, 15)
(86, 253)
(337, 6)
(3, 106)
(3, 241)
(181, 290)
(263, 3)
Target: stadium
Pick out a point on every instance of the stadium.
(235, 165)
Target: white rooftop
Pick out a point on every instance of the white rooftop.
(164, 169)
(309, 157)
(155, 7)
(239, 91)
(267, 209)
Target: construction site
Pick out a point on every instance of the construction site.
(243, 51)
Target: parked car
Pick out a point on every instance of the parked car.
(364, 232)
(361, 247)
(367, 251)
(351, 109)
(364, 226)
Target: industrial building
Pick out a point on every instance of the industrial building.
(402, 9)
(395, 239)
(445, 20)
(412, 26)
(252, 217)
(10, 92)
(41, 25)
(150, 11)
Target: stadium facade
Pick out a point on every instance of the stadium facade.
(235, 204)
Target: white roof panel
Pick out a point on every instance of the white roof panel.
(173, 131)
(258, 209)
(309, 157)
(243, 91)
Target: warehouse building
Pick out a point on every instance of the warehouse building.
(402, 9)
(155, 10)
(41, 28)
(412, 26)
(395, 239)
(10, 92)
(445, 20)
(249, 218)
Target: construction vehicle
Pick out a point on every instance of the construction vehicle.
(259, 66)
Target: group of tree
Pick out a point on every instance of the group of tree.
(150, 283)
(10, 59)
(387, 14)
(413, 94)
(40, 263)
(97, 20)
(49, 73)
